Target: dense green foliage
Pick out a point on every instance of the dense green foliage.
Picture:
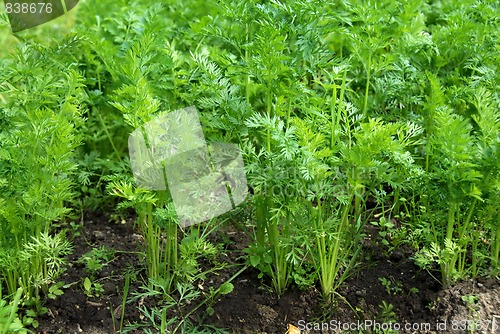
(347, 112)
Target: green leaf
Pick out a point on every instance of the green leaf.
(31, 313)
(87, 284)
(226, 288)
(255, 260)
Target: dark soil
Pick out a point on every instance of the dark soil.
(251, 308)
(74, 312)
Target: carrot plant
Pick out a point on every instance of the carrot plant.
(138, 88)
(293, 151)
(43, 106)
(461, 175)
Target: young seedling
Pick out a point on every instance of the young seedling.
(92, 288)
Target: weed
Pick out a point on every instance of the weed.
(391, 286)
(96, 259)
(386, 316)
(92, 288)
(386, 230)
(470, 301)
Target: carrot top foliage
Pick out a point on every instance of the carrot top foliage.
(346, 112)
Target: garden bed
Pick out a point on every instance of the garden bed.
(251, 308)
(254, 166)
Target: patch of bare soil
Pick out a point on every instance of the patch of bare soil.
(470, 306)
(74, 312)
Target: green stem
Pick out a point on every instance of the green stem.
(448, 267)
(368, 76)
(279, 271)
(118, 155)
(269, 109)
(451, 221)
(397, 204)
(333, 103)
(289, 111)
(475, 242)
(341, 108)
(151, 243)
(496, 246)
(171, 252)
(247, 85)
(272, 230)
(466, 225)
(261, 220)
(357, 204)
